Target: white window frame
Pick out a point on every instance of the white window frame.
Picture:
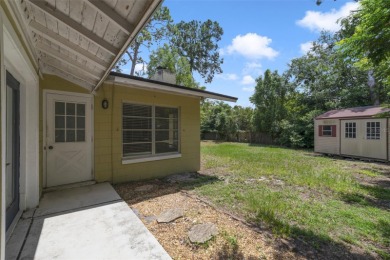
(327, 131)
(153, 156)
(350, 130)
(373, 135)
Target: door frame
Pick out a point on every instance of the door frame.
(44, 126)
(15, 144)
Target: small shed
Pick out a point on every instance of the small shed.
(357, 132)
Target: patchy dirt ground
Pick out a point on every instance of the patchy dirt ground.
(235, 239)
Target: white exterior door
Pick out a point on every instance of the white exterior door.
(68, 139)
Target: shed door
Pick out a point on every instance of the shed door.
(69, 143)
(369, 141)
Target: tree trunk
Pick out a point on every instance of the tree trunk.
(372, 86)
(135, 58)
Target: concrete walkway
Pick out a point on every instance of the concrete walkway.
(90, 222)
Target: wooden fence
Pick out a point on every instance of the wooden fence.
(241, 137)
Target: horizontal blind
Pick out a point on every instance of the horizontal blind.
(137, 130)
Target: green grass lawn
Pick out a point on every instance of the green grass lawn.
(299, 194)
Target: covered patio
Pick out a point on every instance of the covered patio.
(90, 222)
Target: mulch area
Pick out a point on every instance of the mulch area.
(235, 240)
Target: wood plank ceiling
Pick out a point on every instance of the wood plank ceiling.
(80, 40)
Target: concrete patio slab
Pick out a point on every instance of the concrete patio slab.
(94, 224)
(70, 199)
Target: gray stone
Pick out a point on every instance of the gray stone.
(170, 215)
(146, 187)
(149, 219)
(202, 233)
(136, 212)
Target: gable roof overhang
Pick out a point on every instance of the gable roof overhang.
(148, 84)
(80, 40)
(355, 112)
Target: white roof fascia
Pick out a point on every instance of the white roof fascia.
(132, 83)
(145, 19)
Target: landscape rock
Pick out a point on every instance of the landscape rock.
(136, 212)
(146, 187)
(202, 233)
(170, 215)
(149, 219)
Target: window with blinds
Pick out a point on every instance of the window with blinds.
(149, 130)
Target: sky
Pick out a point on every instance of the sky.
(259, 35)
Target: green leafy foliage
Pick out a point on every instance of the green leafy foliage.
(269, 99)
(366, 38)
(170, 59)
(153, 33)
(319, 81)
(198, 42)
(225, 120)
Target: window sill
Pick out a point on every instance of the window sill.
(150, 159)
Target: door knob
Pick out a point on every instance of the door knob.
(51, 147)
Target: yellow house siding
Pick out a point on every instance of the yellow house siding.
(103, 135)
(51, 82)
(189, 135)
(108, 131)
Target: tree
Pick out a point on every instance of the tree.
(155, 31)
(225, 120)
(328, 80)
(367, 38)
(170, 59)
(218, 117)
(322, 80)
(198, 42)
(269, 100)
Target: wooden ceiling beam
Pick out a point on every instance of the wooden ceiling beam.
(68, 45)
(61, 17)
(48, 69)
(75, 73)
(113, 16)
(66, 59)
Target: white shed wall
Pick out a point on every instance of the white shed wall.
(361, 146)
(326, 144)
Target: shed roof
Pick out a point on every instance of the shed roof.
(138, 82)
(367, 111)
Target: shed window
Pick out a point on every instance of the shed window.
(327, 130)
(373, 130)
(149, 130)
(350, 130)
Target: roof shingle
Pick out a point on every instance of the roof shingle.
(368, 111)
